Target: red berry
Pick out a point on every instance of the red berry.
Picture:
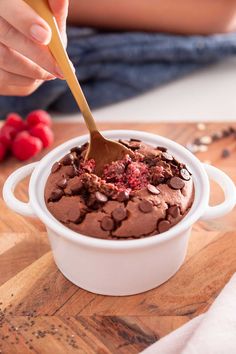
(26, 146)
(3, 151)
(7, 134)
(14, 120)
(37, 117)
(44, 133)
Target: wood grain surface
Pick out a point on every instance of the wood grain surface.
(42, 312)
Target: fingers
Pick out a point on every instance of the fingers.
(20, 90)
(60, 11)
(16, 85)
(24, 19)
(15, 63)
(14, 79)
(39, 54)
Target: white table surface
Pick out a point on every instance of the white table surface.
(208, 94)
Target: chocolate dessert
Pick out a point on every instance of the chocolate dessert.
(144, 194)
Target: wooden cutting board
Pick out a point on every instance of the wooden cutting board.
(42, 312)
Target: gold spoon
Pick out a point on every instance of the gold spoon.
(102, 150)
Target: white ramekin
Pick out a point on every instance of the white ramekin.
(120, 267)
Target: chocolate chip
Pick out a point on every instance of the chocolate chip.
(167, 156)
(174, 211)
(107, 223)
(91, 202)
(232, 130)
(67, 159)
(163, 226)
(76, 149)
(74, 215)
(101, 197)
(161, 148)
(124, 142)
(197, 141)
(157, 179)
(137, 140)
(225, 153)
(145, 206)
(70, 171)
(176, 183)
(123, 196)
(132, 144)
(62, 183)
(76, 185)
(152, 189)
(55, 167)
(226, 133)
(56, 195)
(217, 136)
(119, 214)
(185, 174)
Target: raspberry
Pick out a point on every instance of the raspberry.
(38, 116)
(44, 133)
(7, 134)
(14, 120)
(26, 146)
(3, 151)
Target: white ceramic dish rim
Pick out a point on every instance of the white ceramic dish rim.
(193, 215)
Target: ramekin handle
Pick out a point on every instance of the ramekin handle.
(229, 190)
(9, 188)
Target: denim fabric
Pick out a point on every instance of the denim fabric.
(115, 66)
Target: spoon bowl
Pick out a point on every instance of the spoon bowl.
(103, 151)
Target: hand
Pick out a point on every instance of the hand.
(25, 60)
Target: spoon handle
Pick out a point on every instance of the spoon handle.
(58, 51)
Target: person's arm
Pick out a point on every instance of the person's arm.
(174, 16)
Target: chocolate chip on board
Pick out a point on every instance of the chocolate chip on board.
(119, 214)
(56, 195)
(185, 174)
(217, 136)
(101, 197)
(225, 153)
(174, 211)
(176, 183)
(163, 226)
(145, 206)
(152, 189)
(55, 167)
(226, 133)
(107, 223)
